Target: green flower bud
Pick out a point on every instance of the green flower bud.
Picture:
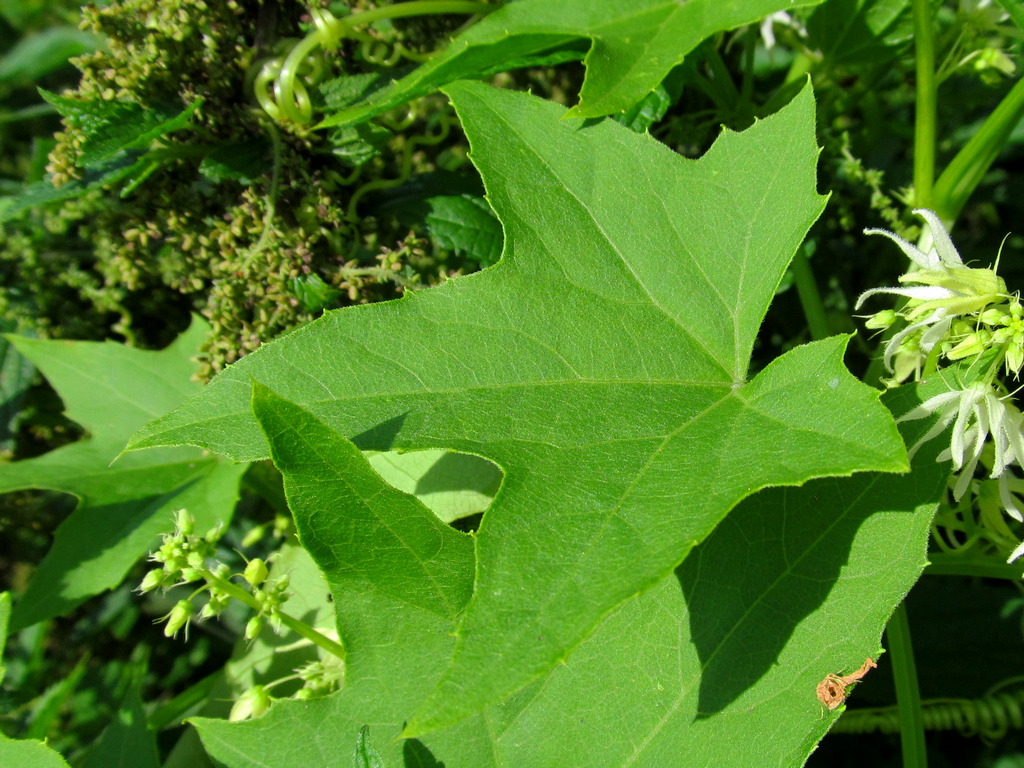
(184, 522)
(254, 536)
(881, 320)
(179, 617)
(253, 627)
(252, 703)
(216, 532)
(1014, 359)
(974, 344)
(256, 572)
(995, 316)
(196, 560)
(152, 580)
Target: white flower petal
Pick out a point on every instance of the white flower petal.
(1008, 499)
(968, 408)
(944, 247)
(937, 332)
(923, 260)
(922, 292)
(1016, 553)
(931, 406)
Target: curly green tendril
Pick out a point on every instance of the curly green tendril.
(281, 87)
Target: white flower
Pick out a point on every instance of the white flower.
(942, 253)
(940, 290)
(977, 413)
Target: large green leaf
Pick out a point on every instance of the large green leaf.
(634, 45)
(602, 364)
(111, 390)
(730, 646)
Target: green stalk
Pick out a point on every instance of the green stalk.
(924, 117)
(301, 628)
(908, 695)
(942, 564)
(966, 170)
(810, 297)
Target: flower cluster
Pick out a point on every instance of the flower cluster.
(963, 316)
(952, 311)
(185, 558)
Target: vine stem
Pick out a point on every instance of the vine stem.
(300, 628)
(908, 695)
(971, 163)
(924, 117)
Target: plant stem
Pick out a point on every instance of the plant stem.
(967, 565)
(924, 117)
(966, 170)
(300, 628)
(810, 297)
(908, 695)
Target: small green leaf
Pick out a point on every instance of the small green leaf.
(364, 755)
(356, 144)
(243, 162)
(111, 127)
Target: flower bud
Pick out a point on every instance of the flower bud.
(252, 703)
(993, 316)
(152, 580)
(256, 572)
(881, 320)
(1014, 358)
(254, 536)
(178, 617)
(253, 627)
(184, 522)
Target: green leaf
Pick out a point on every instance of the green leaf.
(602, 364)
(1015, 9)
(28, 753)
(16, 374)
(646, 112)
(39, 54)
(127, 742)
(111, 390)
(453, 210)
(734, 642)
(111, 127)
(452, 485)
(868, 32)
(398, 572)
(634, 45)
(243, 161)
(365, 756)
(467, 226)
(117, 147)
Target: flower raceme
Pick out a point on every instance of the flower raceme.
(952, 310)
(963, 316)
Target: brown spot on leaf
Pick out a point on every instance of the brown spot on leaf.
(832, 690)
